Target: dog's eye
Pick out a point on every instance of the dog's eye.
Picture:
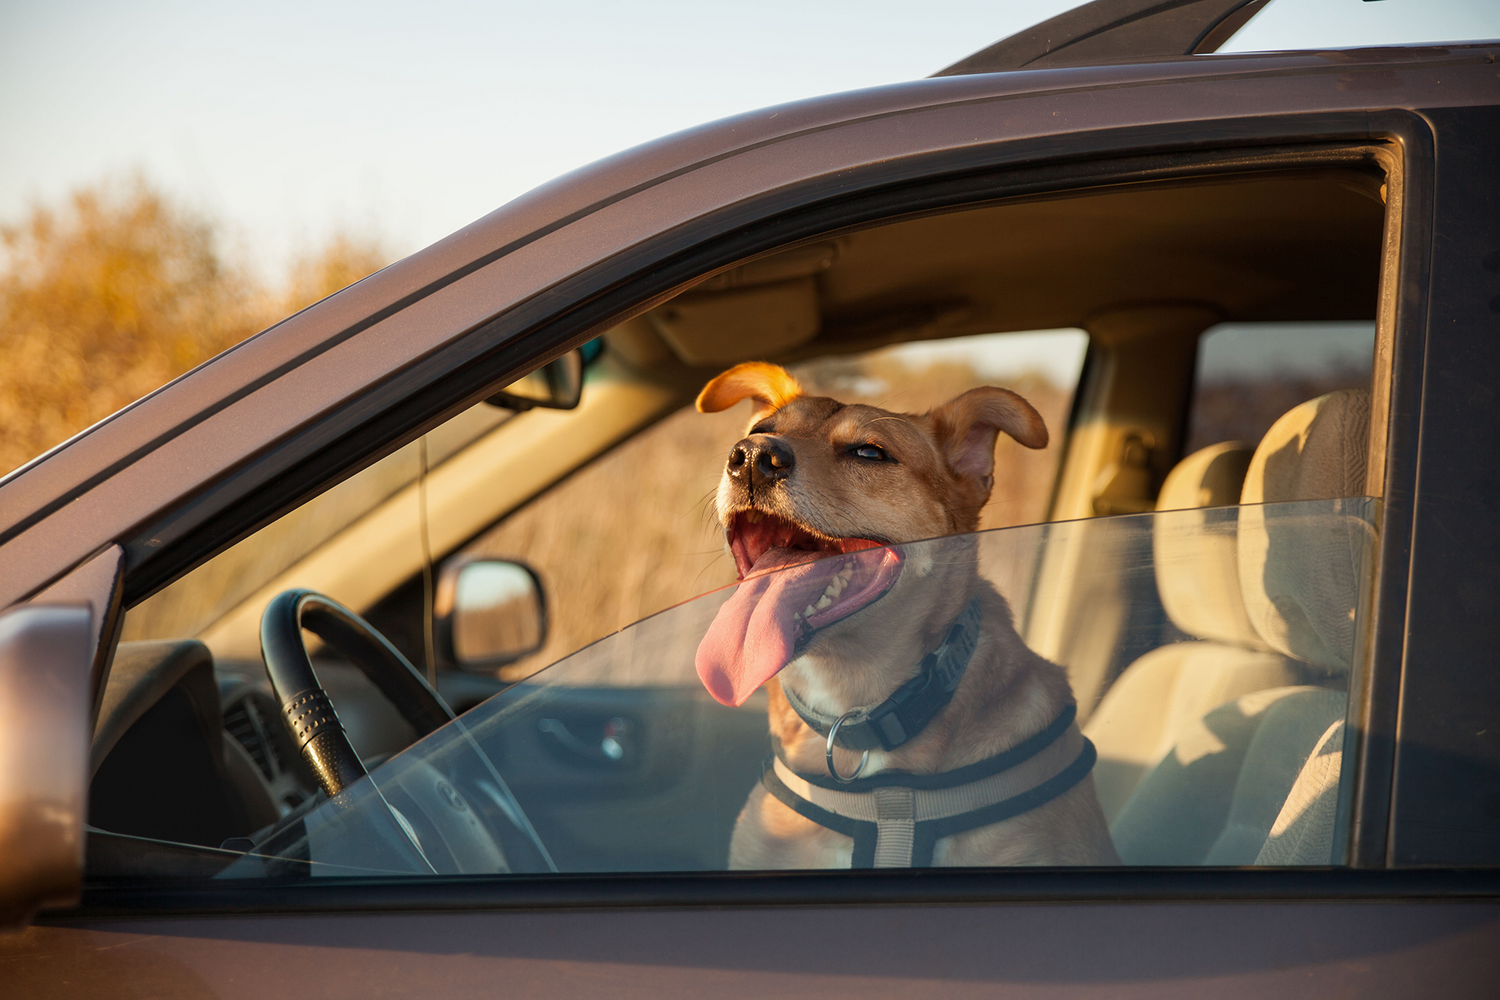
(872, 452)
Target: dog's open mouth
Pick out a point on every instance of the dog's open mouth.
(794, 582)
(763, 543)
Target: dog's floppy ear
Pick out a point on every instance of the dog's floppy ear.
(967, 426)
(770, 386)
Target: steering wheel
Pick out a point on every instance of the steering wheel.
(305, 707)
(310, 717)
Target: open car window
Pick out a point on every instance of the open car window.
(1146, 624)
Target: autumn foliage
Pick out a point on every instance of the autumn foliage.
(118, 293)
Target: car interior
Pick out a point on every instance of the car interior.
(1212, 654)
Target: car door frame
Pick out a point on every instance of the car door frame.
(416, 390)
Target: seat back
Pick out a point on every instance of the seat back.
(1155, 700)
(1267, 785)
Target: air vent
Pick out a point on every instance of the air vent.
(245, 721)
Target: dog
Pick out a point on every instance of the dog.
(837, 621)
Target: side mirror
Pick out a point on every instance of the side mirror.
(488, 612)
(46, 652)
(557, 385)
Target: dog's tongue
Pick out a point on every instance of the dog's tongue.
(755, 632)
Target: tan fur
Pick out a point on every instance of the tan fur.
(940, 476)
(771, 386)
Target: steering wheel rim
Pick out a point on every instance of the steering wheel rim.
(310, 716)
(306, 710)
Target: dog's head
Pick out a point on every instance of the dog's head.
(815, 491)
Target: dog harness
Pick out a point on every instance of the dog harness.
(896, 818)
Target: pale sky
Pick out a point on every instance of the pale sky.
(286, 121)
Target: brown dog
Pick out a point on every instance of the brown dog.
(981, 764)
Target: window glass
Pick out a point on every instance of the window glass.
(1214, 749)
(1249, 374)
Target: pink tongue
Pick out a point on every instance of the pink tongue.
(754, 633)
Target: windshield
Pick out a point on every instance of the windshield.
(1243, 624)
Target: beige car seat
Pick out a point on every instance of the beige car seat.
(1160, 696)
(1255, 780)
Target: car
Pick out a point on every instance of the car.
(361, 657)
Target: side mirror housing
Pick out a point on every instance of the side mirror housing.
(488, 612)
(45, 658)
(557, 385)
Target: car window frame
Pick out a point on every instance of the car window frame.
(611, 291)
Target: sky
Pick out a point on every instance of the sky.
(289, 121)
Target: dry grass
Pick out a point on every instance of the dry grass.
(119, 292)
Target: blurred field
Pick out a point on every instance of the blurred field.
(120, 291)
(634, 533)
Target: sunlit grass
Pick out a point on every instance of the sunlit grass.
(121, 290)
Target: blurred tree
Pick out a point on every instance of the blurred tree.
(117, 295)
(341, 262)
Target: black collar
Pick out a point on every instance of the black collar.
(914, 704)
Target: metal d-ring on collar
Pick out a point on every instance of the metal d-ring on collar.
(864, 758)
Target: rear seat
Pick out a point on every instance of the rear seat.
(1254, 780)
(1164, 694)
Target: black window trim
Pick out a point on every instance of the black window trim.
(873, 887)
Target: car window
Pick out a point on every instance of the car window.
(1248, 374)
(1151, 619)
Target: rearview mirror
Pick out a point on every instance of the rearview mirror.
(557, 385)
(45, 657)
(488, 612)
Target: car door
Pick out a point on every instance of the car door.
(178, 478)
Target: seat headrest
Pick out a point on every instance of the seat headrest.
(1300, 570)
(1197, 559)
(1316, 451)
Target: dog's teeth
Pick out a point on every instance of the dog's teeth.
(824, 602)
(753, 516)
(809, 610)
(838, 585)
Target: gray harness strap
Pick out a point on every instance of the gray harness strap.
(896, 810)
(896, 818)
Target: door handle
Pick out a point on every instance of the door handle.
(609, 748)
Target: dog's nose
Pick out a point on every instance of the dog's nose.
(760, 459)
